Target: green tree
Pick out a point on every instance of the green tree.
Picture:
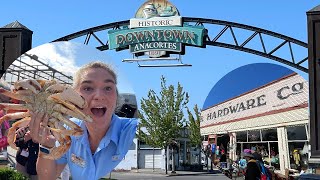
(194, 128)
(7, 173)
(162, 117)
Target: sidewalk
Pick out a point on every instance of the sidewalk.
(11, 156)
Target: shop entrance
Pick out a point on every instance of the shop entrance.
(223, 142)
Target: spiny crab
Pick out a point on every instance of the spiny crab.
(55, 100)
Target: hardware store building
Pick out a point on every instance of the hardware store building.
(263, 107)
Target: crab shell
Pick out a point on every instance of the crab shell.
(56, 101)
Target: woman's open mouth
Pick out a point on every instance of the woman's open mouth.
(98, 111)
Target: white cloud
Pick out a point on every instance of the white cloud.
(59, 56)
(67, 58)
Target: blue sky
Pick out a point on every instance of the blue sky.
(50, 20)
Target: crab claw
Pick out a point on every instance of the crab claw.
(69, 95)
(30, 84)
(12, 131)
(56, 88)
(58, 151)
(17, 95)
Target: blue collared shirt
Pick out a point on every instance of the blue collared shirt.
(111, 150)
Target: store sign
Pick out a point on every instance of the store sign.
(156, 21)
(236, 108)
(156, 30)
(142, 47)
(191, 35)
(289, 92)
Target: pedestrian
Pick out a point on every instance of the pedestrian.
(3, 135)
(256, 154)
(265, 173)
(252, 170)
(5, 125)
(105, 141)
(27, 154)
(223, 159)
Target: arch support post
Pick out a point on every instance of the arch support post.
(313, 20)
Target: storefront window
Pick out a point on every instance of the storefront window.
(269, 135)
(204, 138)
(297, 133)
(274, 155)
(254, 136)
(242, 136)
(298, 154)
(188, 156)
(143, 144)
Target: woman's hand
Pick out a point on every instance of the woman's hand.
(39, 131)
(27, 136)
(21, 132)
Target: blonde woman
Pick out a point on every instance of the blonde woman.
(105, 141)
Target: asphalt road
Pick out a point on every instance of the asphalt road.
(184, 176)
(145, 174)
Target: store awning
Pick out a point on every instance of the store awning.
(287, 118)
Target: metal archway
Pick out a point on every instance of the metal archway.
(212, 39)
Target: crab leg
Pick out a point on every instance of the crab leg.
(65, 143)
(66, 132)
(45, 84)
(13, 116)
(59, 128)
(53, 122)
(7, 106)
(57, 152)
(15, 95)
(66, 121)
(64, 110)
(12, 131)
(74, 109)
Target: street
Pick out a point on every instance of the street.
(180, 175)
(147, 174)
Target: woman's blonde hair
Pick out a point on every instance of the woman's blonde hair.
(93, 65)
